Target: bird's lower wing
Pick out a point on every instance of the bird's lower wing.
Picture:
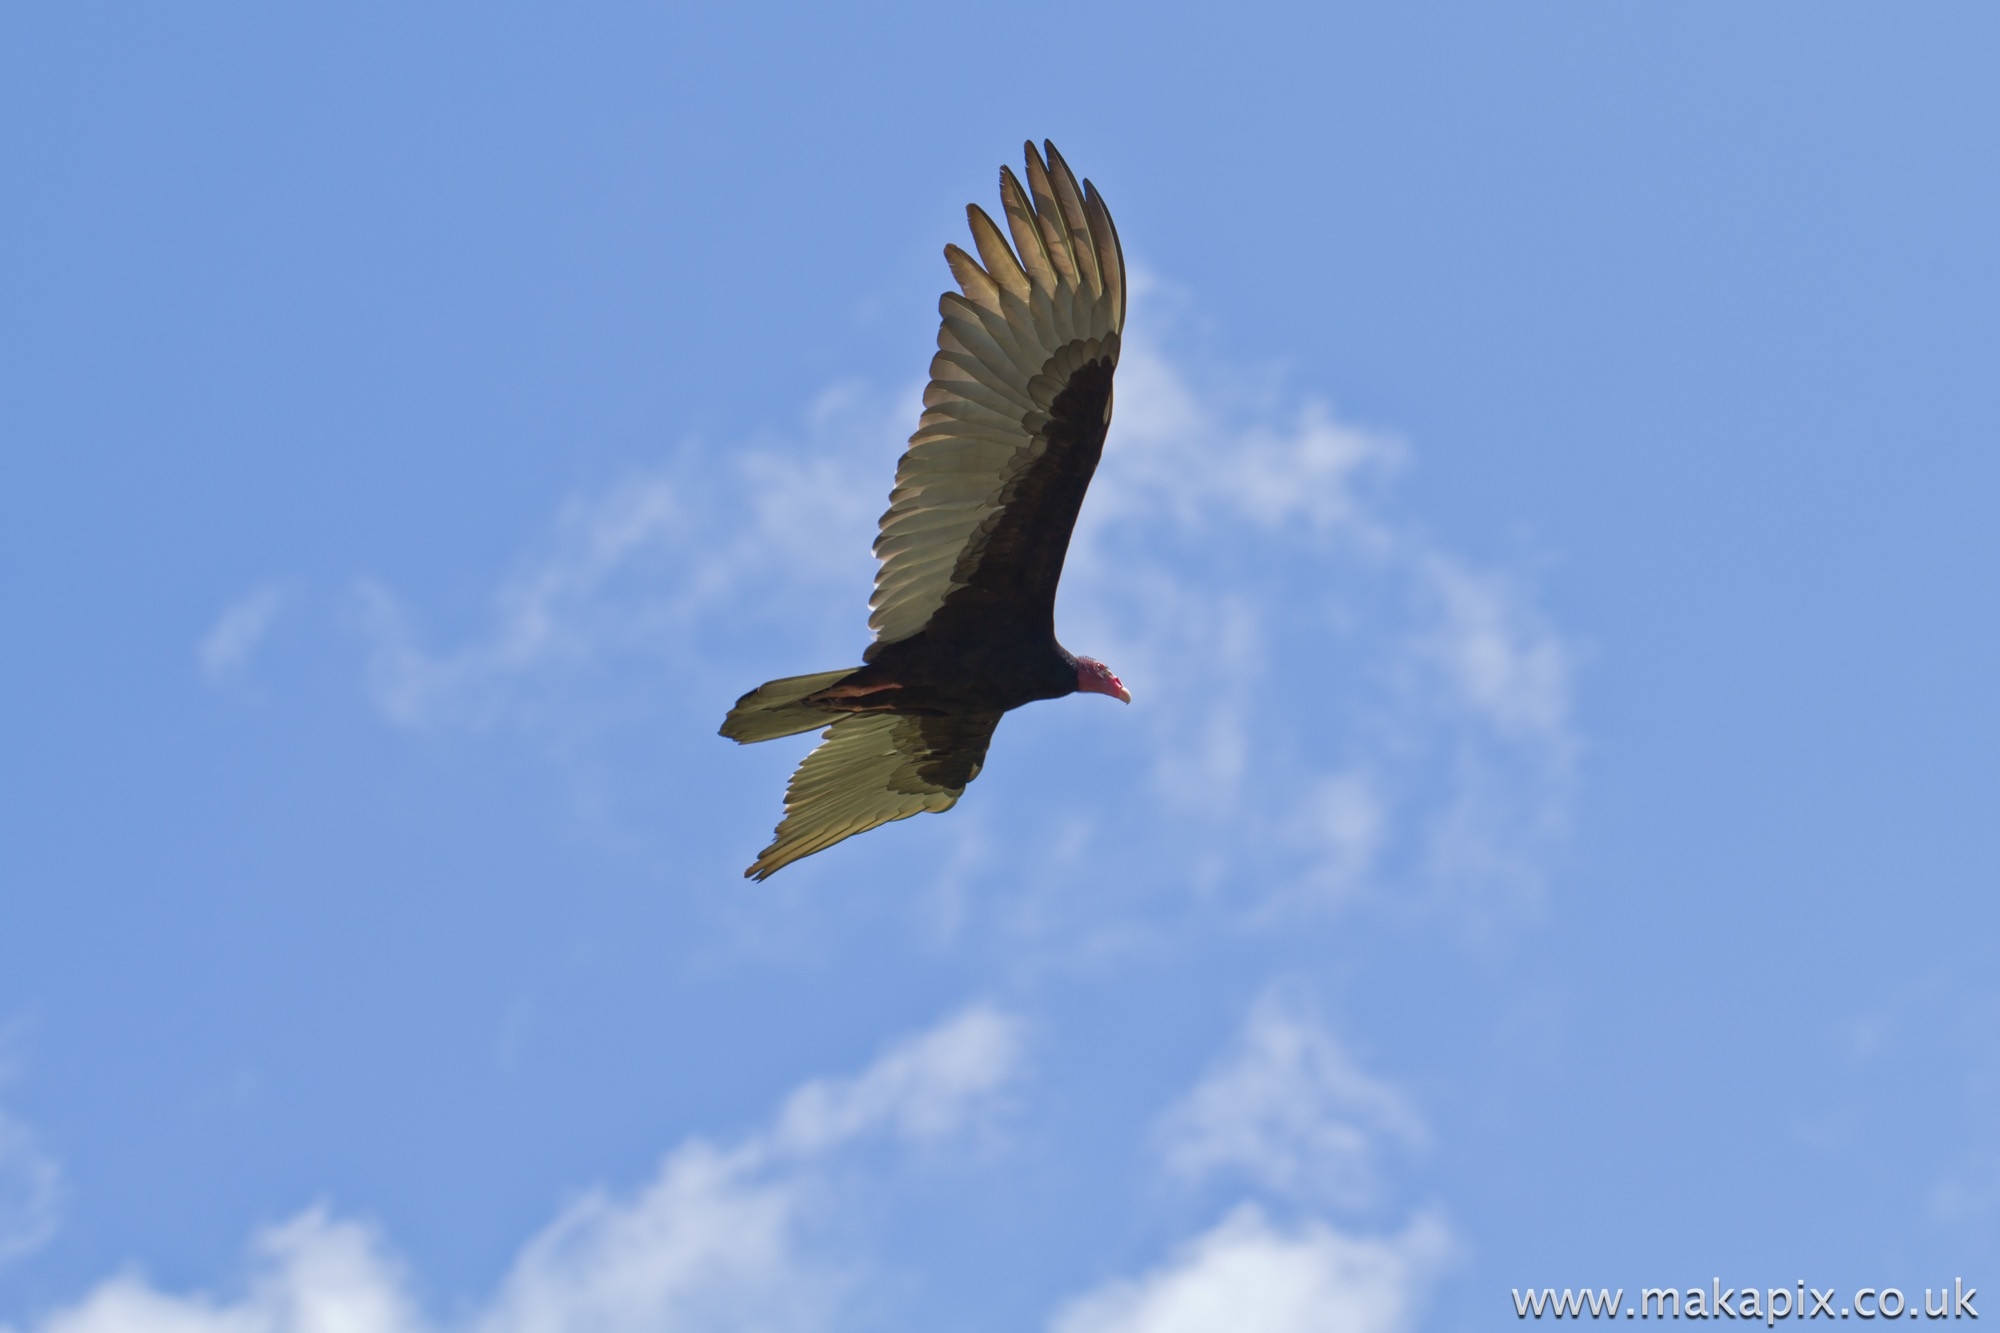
(870, 769)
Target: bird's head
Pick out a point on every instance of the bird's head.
(1093, 677)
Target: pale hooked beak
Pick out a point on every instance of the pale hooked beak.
(1124, 694)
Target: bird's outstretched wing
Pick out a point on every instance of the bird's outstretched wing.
(872, 768)
(1014, 415)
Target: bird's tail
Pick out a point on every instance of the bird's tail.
(779, 708)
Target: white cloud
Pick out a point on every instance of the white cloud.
(556, 612)
(1291, 1109)
(1340, 821)
(30, 1191)
(225, 651)
(1288, 1108)
(1345, 709)
(720, 1239)
(1503, 659)
(1249, 1275)
(313, 1275)
(1205, 457)
(923, 1090)
(711, 1243)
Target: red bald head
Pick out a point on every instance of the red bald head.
(1093, 677)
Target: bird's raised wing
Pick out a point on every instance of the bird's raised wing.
(1014, 416)
(872, 768)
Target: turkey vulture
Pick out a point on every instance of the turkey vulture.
(978, 523)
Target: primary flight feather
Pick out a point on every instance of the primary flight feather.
(979, 521)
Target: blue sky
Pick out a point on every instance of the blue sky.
(1546, 530)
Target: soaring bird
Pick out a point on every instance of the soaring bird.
(979, 521)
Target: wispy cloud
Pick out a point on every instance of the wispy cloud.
(30, 1191)
(1250, 1275)
(751, 536)
(923, 1090)
(721, 1238)
(1208, 457)
(1504, 662)
(1290, 1113)
(1289, 1108)
(1335, 696)
(556, 614)
(233, 640)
